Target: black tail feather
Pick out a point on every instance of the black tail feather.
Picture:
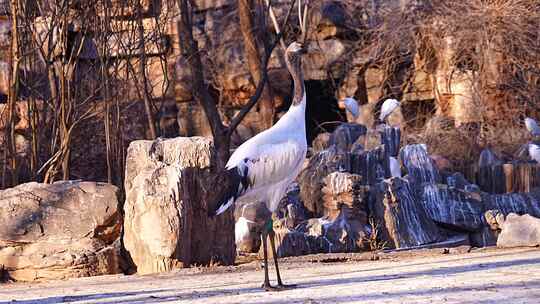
(233, 186)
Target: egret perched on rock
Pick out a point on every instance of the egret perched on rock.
(267, 163)
(351, 105)
(532, 126)
(534, 152)
(387, 108)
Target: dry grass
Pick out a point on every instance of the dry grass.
(494, 42)
(375, 241)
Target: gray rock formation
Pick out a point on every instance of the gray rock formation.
(61, 230)
(405, 221)
(452, 207)
(169, 186)
(311, 178)
(419, 166)
(345, 135)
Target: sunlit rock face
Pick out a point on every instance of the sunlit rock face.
(519, 230)
(62, 230)
(170, 185)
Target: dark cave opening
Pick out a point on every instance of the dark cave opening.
(322, 112)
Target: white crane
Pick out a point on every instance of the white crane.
(532, 126)
(388, 107)
(267, 163)
(352, 106)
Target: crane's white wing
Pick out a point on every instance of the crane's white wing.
(388, 107)
(259, 167)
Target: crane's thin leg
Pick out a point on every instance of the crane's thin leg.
(266, 285)
(272, 235)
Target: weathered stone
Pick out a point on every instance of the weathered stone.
(212, 4)
(126, 8)
(404, 219)
(345, 233)
(330, 20)
(491, 179)
(169, 187)
(506, 178)
(249, 221)
(48, 36)
(494, 219)
(60, 230)
(456, 181)
(419, 165)
(345, 213)
(519, 230)
(373, 165)
(452, 207)
(317, 64)
(455, 88)
(311, 178)
(520, 203)
(291, 210)
(345, 135)
(371, 140)
(344, 192)
(289, 243)
(391, 139)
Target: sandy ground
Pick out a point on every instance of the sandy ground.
(483, 276)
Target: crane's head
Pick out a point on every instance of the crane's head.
(293, 55)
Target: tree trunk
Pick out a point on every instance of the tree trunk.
(13, 92)
(190, 52)
(142, 72)
(254, 60)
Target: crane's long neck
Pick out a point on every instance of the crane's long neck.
(295, 118)
(298, 82)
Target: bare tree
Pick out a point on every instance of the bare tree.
(190, 51)
(250, 33)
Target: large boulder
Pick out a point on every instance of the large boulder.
(170, 185)
(61, 230)
(519, 230)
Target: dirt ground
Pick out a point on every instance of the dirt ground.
(427, 276)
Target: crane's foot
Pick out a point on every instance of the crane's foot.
(282, 286)
(268, 287)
